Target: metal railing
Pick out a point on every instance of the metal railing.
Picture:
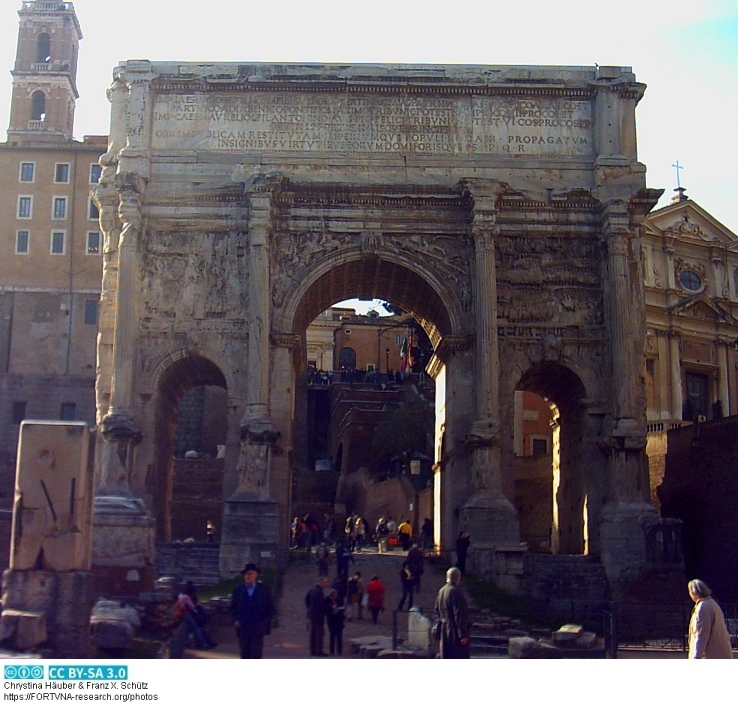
(653, 626)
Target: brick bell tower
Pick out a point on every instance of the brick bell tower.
(45, 73)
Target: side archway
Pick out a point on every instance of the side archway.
(189, 372)
(567, 479)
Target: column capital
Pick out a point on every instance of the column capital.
(116, 427)
(483, 433)
(451, 344)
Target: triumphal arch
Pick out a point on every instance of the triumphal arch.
(501, 205)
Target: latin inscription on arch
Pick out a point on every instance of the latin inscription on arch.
(372, 124)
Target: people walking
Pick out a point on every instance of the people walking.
(426, 534)
(392, 528)
(355, 593)
(381, 534)
(360, 533)
(322, 559)
(252, 610)
(452, 612)
(708, 634)
(462, 548)
(192, 618)
(316, 613)
(407, 581)
(375, 591)
(416, 562)
(405, 534)
(344, 557)
(335, 615)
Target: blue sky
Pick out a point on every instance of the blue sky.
(686, 52)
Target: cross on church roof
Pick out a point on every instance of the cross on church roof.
(679, 197)
(678, 167)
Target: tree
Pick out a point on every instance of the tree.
(406, 428)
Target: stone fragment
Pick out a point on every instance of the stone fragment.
(567, 634)
(529, 648)
(23, 629)
(113, 626)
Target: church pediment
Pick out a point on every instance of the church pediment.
(703, 307)
(687, 221)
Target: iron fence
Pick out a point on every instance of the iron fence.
(654, 626)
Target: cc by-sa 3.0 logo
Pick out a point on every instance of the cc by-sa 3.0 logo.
(23, 672)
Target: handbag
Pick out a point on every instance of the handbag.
(365, 600)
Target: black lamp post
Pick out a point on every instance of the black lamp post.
(386, 352)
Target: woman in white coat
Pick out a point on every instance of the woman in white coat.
(708, 635)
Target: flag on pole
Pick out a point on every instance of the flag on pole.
(403, 355)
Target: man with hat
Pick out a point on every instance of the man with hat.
(252, 610)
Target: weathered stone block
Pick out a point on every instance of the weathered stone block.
(53, 486)
(529, 648)
(23, 629)
(567, 634)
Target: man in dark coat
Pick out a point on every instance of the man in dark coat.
(316, 612)
(451, 610)
(252, 610)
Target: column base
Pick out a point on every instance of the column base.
(623, 531)
(490, 522)
(122, 546)
(250, 533)
(64, 598)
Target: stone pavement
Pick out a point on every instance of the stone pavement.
(290, 638)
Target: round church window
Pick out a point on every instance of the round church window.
(690, 280)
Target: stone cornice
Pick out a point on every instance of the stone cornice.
(382, 85)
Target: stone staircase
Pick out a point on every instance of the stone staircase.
(197, 562)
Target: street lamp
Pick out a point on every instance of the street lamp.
(386, 352)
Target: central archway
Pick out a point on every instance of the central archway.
(374, 277)
(414, 286)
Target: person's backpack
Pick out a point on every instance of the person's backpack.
(353, 586)
(179, 611)
(382, 529)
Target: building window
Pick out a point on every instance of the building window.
(68, 411)
(27, 169)
(538, 447)
(347, 358)
(690, 280)
(57, 242)
(61, 173)
(95, 173)
(38, 106)
(696, 402)
(43, 48)
(91, 312)
(60, 208)
(25, 207)
(19, 412)
(93, 212)
(93, 243)
(21, 241)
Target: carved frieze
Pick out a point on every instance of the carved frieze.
(549, 259)
(294, 255)
(199, 277)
